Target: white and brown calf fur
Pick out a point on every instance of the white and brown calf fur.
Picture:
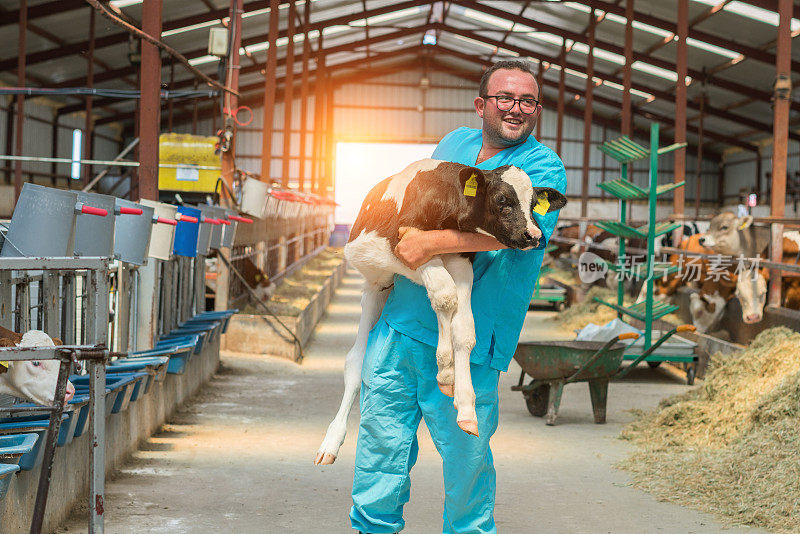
(434, 195)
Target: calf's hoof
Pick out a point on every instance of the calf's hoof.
(324, 458)
(447, 389)
(470, 427)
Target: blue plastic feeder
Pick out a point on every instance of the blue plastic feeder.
(65, 432)
(33, 458)
(155, 367)
(224, 316)
(182, 341)
(81, 403)
(116, 388)
(135, 386)
(13, 446)
(6, 470)
(186, 232)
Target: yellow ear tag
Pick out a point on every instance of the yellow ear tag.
(471, 186)
(742, 226)
(4, 364)
(542, 204)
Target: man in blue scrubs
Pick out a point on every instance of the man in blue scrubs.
(399, 372)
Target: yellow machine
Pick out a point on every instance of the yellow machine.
(192, 155)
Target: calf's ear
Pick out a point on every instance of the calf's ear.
(745, 221)
(472, 180)
(548, 198)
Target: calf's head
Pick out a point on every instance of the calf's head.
(508, 201)
(34, 380)
(751, 290)
(724, 235)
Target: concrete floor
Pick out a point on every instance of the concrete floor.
(239, 457)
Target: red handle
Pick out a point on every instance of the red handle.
(226, 223)
(240, 219)
(209, 220)
(188, 218)
(164, 220)
(88, 210)
(130, 211)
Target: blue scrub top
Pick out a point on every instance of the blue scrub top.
(504, 279)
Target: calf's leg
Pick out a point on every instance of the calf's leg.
(373, 299)
(443, 296)
(463, 334)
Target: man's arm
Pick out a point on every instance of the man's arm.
(416, 247)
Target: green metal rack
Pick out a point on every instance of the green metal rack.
(626, 151)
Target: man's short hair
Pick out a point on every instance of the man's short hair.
(508, 64)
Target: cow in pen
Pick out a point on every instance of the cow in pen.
(433, 195)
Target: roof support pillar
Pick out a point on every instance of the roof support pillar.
(150, 104)
(539, 84)
(562, 58)
(54, 150)
(23, 30)
(269, 91)
(783, 89)
(679, 196)
(328, 183)
(231, 101)
(699, 172)
(626, 126)
(287, 98)
(304, 97)
(319, 110)
(587, 116)
(87, 129)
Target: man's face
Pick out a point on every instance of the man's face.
(508, 128)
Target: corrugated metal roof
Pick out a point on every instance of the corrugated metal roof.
(471, 34)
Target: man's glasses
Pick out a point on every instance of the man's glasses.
(506, 103)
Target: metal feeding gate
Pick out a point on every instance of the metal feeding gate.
(55, 279)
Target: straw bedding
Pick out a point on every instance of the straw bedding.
(588, 311)
(731, 446)
(295, 292)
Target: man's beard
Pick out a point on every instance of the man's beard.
(498, 138)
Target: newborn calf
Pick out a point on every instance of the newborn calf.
(34, 380)
(435, 195)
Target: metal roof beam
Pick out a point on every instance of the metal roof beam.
(767, 128)
(729, 85)
(122, 37)
(43, 10)
(750, 52)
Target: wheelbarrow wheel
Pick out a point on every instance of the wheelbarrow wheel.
(536, 400)
(690, 375)
(653, 365)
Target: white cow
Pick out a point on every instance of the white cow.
(34, 380)
(430, 195)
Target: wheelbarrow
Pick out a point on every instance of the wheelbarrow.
(553, 364)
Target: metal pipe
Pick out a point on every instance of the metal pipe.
(287, 98)
(269, 92)
(23, 30)
(678, 195)
(118, 163)
(118, 157)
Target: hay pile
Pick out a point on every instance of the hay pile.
(295, 292)
(588, 311)
(732, 446)
(568, 277)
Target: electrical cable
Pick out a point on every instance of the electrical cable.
(158, 44)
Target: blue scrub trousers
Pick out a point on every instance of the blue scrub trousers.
(398, 388)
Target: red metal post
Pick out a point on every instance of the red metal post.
(87, 130)
(328, 185)
(783, 89)
(304, 97)
(23, 30)
(627, 124)
(587, 116)
(678, 198)
(150, 104)
(562, 58)
(288, 95)
(269, 91)
(699, 182)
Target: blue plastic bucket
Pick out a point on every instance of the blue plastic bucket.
(186, 233)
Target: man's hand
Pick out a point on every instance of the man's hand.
(414, 247)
